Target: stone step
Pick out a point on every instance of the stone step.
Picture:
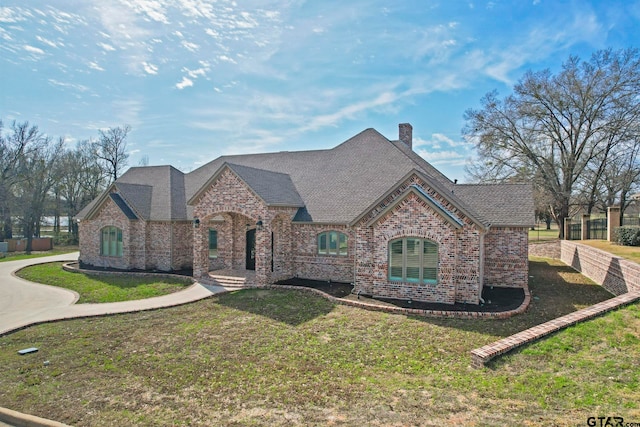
(227, 281)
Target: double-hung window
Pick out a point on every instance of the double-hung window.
(111, 241)
(413, 260)
(332, 243)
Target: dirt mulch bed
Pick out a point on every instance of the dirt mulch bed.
(496, 299)
(84, 266)
(335, 289)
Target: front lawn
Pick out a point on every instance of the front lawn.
(288, 358)
(97, 289)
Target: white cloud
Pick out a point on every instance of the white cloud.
(75, 86)
(150, 68)
(199, 72)
(106, 47)
(49, 42)
(350, 111)
(190, 46)
(95, 66)
(439, 140)
(186, 82)
(213, 33)
(225, 58)
(153, 9)
(32, 49)
(5, 34)
(10, 15)
(447, 157)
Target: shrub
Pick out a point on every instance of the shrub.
(627, 236)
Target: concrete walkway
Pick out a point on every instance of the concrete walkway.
(24, 303)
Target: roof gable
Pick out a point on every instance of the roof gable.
(446, 214)
(446, 194)
(272, 188)
(126, 210)
(110, 194)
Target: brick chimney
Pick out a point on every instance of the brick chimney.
(406, 134)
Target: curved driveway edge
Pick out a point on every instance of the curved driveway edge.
(23, 303)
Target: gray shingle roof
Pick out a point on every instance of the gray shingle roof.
(274, 188)
(155, 192)
(329, 186)
(500, 204)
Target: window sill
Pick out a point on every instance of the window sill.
(405, 282)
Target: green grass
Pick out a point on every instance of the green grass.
(541, 233)
(632, 253)
(16, 256)
(276, 358)
(98, 289)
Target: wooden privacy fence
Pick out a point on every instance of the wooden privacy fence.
(39, 244)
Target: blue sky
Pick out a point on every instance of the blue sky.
(197, 79)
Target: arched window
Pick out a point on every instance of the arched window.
(332, 243)
(413, 260)
(111, 241)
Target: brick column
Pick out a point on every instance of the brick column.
(613, 221)
(200, 251)
(585, 235)
(263, 254)
(567, 228)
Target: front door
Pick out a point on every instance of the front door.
(251, 249)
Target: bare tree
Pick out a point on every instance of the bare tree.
(111, 148)
(620, 178)
(81, 180)
(22, 141)
(39, 173)
(560, 126)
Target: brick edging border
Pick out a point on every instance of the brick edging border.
(481, 356)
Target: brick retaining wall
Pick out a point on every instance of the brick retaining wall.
(550, 249)
(615, 274)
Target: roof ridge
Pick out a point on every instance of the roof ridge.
(252, 168)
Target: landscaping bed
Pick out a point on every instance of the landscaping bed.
(496, 299)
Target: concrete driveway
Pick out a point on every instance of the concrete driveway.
(21, 300)
(24, 303)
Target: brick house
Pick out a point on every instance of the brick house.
(370, 211)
